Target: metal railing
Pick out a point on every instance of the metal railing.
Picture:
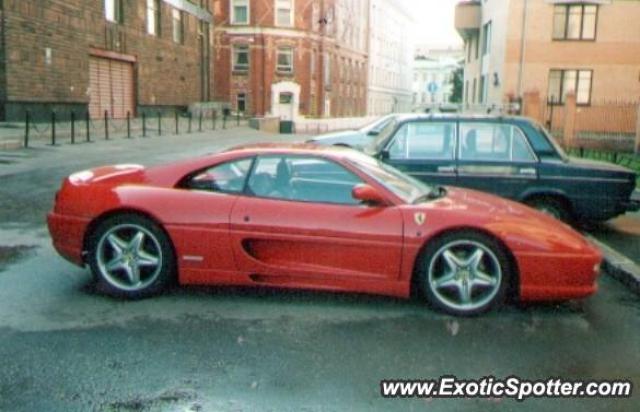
(82, 127)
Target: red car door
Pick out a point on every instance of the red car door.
(302, 224)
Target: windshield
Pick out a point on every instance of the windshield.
(382, 138)
(377, 124)
(401, 184)
(552, 141)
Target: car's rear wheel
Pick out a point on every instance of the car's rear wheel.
(131, 257)
(551, 206)
(464, 273)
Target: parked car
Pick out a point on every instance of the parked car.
(304, 216)
(359, 138)
(513, 157)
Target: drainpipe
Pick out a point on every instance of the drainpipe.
(523, 45)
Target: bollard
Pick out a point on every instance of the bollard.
(128, 125)
(87, 120)
(200, 122)
(106, 125)
(73, 127)
(238, 119)
(27, 119)
(144, 124)
(224, 121)
(159, 125)
(53, 128)
(177, 120)
(190, 116)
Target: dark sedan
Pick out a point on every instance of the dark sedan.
(510, 156)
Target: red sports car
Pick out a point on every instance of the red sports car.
(302, 216)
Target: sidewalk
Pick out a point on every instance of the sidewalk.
(14, 135)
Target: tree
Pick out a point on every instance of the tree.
(458, 80)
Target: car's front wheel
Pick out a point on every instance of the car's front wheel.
(131, 257)
(464, 273)
(552, 207)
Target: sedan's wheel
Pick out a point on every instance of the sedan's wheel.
(131, 257)
(551, 207)
(464, 273)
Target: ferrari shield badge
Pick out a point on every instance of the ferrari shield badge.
(419, 218)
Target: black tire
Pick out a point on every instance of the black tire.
(551, 206)
(493, 260)
(154, 246)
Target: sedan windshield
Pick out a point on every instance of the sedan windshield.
(377, 125)
(382, 137)
(410, 190)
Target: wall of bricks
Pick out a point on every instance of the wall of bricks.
(337, 39)
(47, 49)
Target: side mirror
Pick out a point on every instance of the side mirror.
(384, 155)
(368, 195)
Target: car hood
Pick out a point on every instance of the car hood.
(518, 226)
(598, 165)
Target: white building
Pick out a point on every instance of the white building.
(390, 57)
(433, 78)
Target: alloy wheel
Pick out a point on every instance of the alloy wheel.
(129, 257)
(464, 275)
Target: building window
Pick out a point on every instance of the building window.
(486, 38)
(327, 70)
(240, 58)
(113, 10)
(241, 102)
(239, 11)
(562, 82)
(284, 60)
(481, 95)
(466, 92)
(284, 13)
(178, 26)
(477, 45)
(475, 87)
(575, 22)
(153, 17)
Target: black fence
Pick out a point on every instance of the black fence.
(81, 127)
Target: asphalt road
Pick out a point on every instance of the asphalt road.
(65, 348)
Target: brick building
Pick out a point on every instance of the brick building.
(292, 58)
(103, 55)
(590, 48)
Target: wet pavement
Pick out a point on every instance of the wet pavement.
(65, 348)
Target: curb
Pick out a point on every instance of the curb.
(619, 267)
(11, 144)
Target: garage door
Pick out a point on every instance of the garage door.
(111, 87)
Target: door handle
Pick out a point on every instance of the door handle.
(530, 171)
(446, 169)
(246, 219)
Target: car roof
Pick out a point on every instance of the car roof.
(458, 116)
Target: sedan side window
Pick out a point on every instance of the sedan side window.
(493, 142)
(227, 177)
(424, 140)
(302, 178)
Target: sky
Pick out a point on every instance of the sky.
(434, 20)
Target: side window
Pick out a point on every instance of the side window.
(304, 179)
(424, 140)
(227, 177)
(493, 142)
